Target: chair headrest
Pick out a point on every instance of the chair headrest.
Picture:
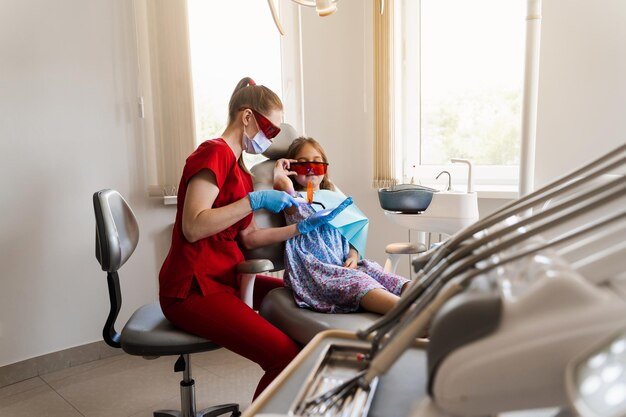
(281, 142)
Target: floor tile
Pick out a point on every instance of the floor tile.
(39, 401)
(85, 368)
(22, 386)
(238, 388)
(221, 362)
(132, 384)
(125, 386)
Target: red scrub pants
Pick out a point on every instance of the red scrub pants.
(226, 320)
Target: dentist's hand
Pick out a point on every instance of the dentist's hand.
(272, 200)
(322, 217)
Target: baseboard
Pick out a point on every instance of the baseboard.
(56, 361)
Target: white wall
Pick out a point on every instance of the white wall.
(582, 84)
(68, 127)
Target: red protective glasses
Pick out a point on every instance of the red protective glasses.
(268, 128)
(306, 168)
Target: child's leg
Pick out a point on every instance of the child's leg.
(394, 283)
(378, 301)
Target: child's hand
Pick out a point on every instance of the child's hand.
(351, 260)
(281, 176)
(282, 167)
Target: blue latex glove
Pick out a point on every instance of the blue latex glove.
(271, 200)
(315, 220)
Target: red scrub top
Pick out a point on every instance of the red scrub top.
(211, 260)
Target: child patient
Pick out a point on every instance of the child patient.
(322, 269)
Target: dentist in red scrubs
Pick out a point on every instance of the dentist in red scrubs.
(199, 292)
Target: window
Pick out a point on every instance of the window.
(458, 71)
(229, 41)
(191, 54)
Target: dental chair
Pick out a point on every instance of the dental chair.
(279, 307)
(147, 333)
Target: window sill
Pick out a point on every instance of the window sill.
(508, 192)
(169, 200)
(505, 192)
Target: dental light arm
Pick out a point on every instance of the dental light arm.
(275, 17)
(322, 7)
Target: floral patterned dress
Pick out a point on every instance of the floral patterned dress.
(315, 273)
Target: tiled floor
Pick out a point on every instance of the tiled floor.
(129, 386)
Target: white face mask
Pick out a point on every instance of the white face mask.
(258, 144)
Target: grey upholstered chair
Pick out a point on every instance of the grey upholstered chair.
(147, 333)
(278, 307)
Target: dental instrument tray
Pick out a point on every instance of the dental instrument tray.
(339, 364)
(406, 198)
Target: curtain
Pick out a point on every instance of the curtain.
(384, 146)
(166, 89)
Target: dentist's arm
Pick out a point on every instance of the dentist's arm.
(253, 237)
(201, 220)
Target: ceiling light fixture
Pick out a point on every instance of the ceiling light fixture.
(322, 7)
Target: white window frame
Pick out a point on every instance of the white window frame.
(495, 180)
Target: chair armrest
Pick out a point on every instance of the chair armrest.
(255, 266)
(248, 270)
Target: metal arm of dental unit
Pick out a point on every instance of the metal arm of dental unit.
(426, 277)
(463, 259)
(458, 277)
(433, 257)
